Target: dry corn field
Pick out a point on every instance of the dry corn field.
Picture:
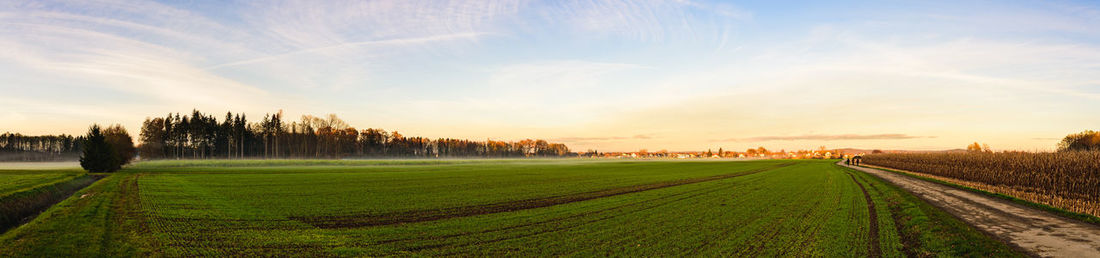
(1067, 180)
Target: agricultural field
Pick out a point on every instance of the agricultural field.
(482, 208)
(165, 165)
(1065, 180)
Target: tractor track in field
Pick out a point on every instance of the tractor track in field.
(875, 250)
(909, 238)
(1036, 232)
(330, 222)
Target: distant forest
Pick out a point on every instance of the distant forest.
(18, 147)
(202, 136)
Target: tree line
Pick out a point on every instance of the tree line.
(203, 136)
(1087, 140)
(18, 147)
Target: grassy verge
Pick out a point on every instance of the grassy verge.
(924, 230)
(16, 207)
(1055, 210)
(95, 221)
(14, 181)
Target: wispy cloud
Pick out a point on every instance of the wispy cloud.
(118, 63)
(647, 20)
(566, 74)
(313, 24)
(352, 46)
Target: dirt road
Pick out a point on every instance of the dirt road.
(1035, 231)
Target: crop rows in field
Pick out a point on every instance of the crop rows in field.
(469, 236)
(811, 208)
(167, 164)
(413, 191)
(374, 191)
(805, 209)
(463, 211)
(1068, 180)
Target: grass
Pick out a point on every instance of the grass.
(13, 181)
(24, 193)
(493, 208)
(377, 190)
(101, 224)
(1055, 210)
(161, 164)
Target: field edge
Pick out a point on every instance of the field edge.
(1087, 218)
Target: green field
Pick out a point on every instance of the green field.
(495, 207)
(12, 181)
(24, 193)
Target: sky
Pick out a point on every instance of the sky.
(604, 75)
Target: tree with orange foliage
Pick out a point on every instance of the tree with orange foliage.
(1084, 141)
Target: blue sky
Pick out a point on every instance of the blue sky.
(607, 75)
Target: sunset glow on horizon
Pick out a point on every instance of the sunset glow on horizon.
(678, 75)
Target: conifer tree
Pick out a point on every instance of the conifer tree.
(98, 156)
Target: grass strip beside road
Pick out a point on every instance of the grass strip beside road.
(19, 207)
(1054, 210)
(923, 230)
(873, 239)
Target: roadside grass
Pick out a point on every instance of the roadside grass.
(24, 193)
(1051, 209)
(925, 230)
(756, 208)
